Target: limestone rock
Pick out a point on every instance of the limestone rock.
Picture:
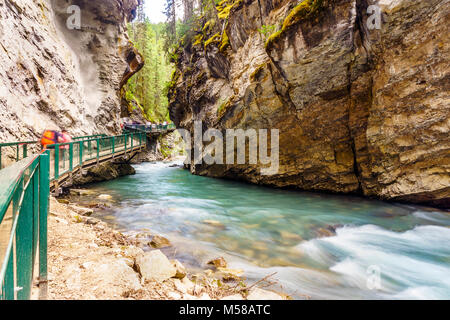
(180, 269)
(132, 252)
(184, 285)
(218, 262)
(104, 172)
(356, 110)
(54, 77)
(81, 192)
(81, 211)
(233, 297)
(116, 276)
(105, 197)
(260, 294)
(230, 274)
(159, 242)
(154, 266)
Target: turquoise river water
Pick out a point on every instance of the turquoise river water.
(321, 246)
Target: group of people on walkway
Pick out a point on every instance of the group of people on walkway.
(127, 122)
(52, 137)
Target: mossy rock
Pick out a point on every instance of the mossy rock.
(225, 42)
(214, 39)
(304, 10)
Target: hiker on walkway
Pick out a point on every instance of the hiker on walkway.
(65, 138)
(49, 138)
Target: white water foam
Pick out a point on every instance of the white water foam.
(413, 264)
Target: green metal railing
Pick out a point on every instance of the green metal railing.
(65, 157)
(24, 194)
(23, 225)
(149, 128)
(20, 150)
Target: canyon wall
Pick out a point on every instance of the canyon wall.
(55, 77)
(359, 110)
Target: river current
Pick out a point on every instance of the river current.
(319, 246)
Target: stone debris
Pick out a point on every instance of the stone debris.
(80, 210)
(260, 294)
(159, 242)
(233, 297)
(105, 197)
(154, 266)
(93, 261)
(218, 262)
(180, 269)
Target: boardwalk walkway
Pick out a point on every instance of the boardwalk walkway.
(25, 185)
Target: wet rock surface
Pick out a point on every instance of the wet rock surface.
(359, 110)
(103, 172)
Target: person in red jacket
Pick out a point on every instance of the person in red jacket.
(49, 137)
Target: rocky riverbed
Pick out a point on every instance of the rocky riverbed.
(87, 259)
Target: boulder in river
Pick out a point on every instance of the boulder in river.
(214, 223)
(218, 262)
(230, 274)
(329, 231)
(81, 192)
(159, 242)
(105, 197)
(154, 266)
(289, 236)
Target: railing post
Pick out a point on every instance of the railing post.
(81, 153)
(56, 161)
(25, 151)
(126, 139)
(8, 285)
(98, 149)
(113, 145)
(0, 158)
(44, 194)
(24, 244)
(132, 141)
(71, 157)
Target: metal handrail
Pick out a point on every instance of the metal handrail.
(23, 212)
(24, 205)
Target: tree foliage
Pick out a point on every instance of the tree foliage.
(146, 87)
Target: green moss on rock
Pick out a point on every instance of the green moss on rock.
(305, 9)
(214, 39)
(225, 41)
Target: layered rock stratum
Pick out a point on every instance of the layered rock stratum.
(55, 77)
(359, 110)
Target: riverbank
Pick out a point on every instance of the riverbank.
(88, 260)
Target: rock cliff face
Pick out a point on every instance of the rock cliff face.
(53, 77)
(359, 110)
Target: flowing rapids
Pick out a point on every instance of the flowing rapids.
(322, 246)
